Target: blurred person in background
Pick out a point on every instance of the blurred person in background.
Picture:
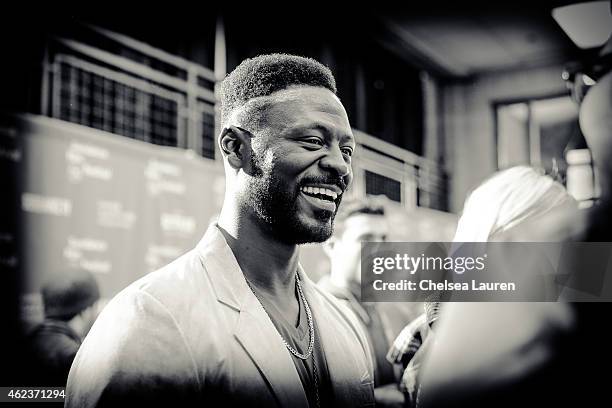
(236, 321)
(596, 124)
(509, 199)
(71, 307)
(365, 221)
(541, 358)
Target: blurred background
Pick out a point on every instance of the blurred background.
(108, 121)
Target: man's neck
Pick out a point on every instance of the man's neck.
(266, 262)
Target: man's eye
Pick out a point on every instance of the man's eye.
(314, 140)
(348, 151)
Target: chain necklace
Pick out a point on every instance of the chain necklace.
(293, 351)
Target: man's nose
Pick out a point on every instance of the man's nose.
(335, 161)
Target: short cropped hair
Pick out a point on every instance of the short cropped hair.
(265, 74)
(68, 292)
(371, 205)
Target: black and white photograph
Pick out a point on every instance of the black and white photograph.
(306, 205)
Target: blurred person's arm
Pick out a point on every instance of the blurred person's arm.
(482, 348)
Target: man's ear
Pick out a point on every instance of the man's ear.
(234, 144)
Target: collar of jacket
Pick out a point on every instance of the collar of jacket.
(260, 339)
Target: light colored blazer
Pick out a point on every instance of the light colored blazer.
(193, 331)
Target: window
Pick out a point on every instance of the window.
(377, 185)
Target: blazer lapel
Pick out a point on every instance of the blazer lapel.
(350, 380)
(254, 331)
(260, 339)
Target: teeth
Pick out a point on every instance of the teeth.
(320, 190)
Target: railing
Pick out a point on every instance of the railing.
(177, 107)
(383, 168)
(96, 88)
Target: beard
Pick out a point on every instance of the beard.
(275, 202)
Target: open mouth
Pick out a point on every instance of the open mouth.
(320, 192)
(321, 197)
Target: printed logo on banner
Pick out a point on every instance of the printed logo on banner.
(177, 223)
(9, 132)
(6, 238)
(42, 204)
(85, 252)
(160, 255)
(164, 177)
(111, 214)
(81, 163)
(10, 154)
(8, 259)
(8, 150)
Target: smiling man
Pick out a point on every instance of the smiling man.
(236, 321)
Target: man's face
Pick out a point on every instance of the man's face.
(301, 164)
(346, 250)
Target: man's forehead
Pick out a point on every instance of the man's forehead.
(295, 107)
(312, 97)
(360, 224)
(308, 106)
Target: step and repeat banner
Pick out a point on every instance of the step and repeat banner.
(80, 198)
(93, 200)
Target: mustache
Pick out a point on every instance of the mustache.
(337, 180)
